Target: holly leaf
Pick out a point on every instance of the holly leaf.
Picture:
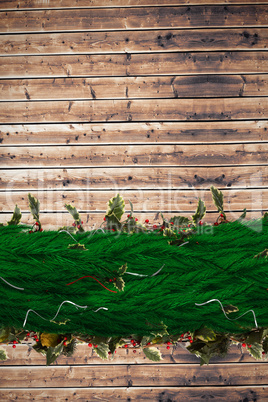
(102, 351)
(152, 354)
(70, 229)
(122, 270)
(54, 353)
(217, 197)
(255, 350)
(131, 208)
(146, 339)
(16, 217)
(230, 309)
(4, 334)
(200, 212)
(169, 233)
(180, 220)
(77, 246)
(73, 211)
(49, 340)
(116, 207)
(243, 215)
(205, 334)
(115, 342)
(119, 284)
(34, 206)
(3, 354)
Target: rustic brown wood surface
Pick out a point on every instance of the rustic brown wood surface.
(154, 99)
(184, 63)
(194, 86)
(135, 41)
(29, 4)
(128, 132)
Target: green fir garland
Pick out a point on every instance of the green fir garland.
(136, 283)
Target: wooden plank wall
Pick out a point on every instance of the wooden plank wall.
(157, 100)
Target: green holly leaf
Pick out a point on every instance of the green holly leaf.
(116, 207)
(230, 309)
(243, 215)
(73, 211)
(169, 233)
(4, 334)
(131, 208)
(34, 206)
(122, 270)
(119, 284)
(70, 229)
(16, 217)
(180, 221)
(115, 342)
(102, 351)
(146, 339)
(152, 354)
(3, 354)
(200, 212)
(53, 353)
(205, 334)
(217, 197)
(77, 246)
(256, 350)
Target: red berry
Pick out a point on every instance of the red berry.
(26, 339)
(189, 226)
(154, 226)
(172, 223)
(263, 353)
(115, 351)
(30, 231)
(191, 341)
(109, 353)
(134, 351)
(168, 347)
(90, 345)
(28, 334)
(114, 279)
(79, 226)
(95, 346)
(37, 340)
(110, 280)
(113, 230)
(125, 346)
(132, 341)
(41, 230)
(64, 343)
(244, 345)
(14, 346)
(128, 216)
(168, 343)
(200, 223)
(104, 219)
(221, 215)
(146, 220)
(182, 335)
(82, 222)
(36, 223)
(249, 346)
(65, 338)
(216, 224)
(74, 224)
(136, 219)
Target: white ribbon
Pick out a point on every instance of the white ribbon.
(15, 287)
(230, 319)
(157, 272)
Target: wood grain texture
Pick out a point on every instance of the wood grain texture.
(93, 220)
(139, 155)
(134, 64)
(129, 132)
(134, 18)
(41, 4)
(135, 41)
(165, 200)
(165, 394)
(25, 356)
(134, 110)
(134, 375)
(139, 178)
(135, 87)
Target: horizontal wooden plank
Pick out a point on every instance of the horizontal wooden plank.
(142, 200)
(112, 178)
(134, 18)
(135, 41)
(133, 375)
(134, 110)
(130, 132)
(135, 88)
(134, 64)
(53, 221)
(43, 4)
(25, 356)
(231, 393)
(138, 155)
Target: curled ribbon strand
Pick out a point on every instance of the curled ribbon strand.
(15, 287)
(157, 272)
(66, 301)
(230, 319)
